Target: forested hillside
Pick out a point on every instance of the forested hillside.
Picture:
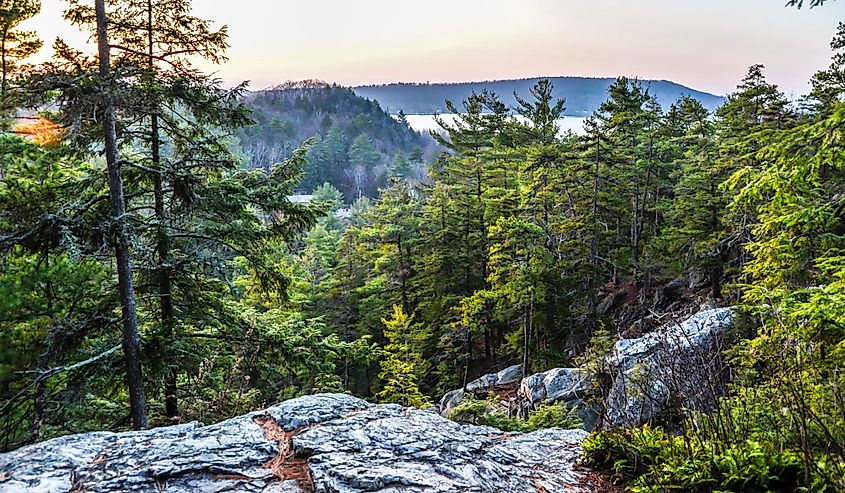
(583, 95)
(356, 146)
(152, 275)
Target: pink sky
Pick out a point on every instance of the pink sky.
(706, 44)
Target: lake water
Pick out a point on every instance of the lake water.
(424, 123)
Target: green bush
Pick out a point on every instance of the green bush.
(554, 416)
(656, 462)
(484, 413)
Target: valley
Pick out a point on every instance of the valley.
(525, 284)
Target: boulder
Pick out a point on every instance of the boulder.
(556, 385)
(567, 385)
(508, 376)
(678, 363)
(322, 443)
(449, 401)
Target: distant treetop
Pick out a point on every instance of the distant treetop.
(800, 3)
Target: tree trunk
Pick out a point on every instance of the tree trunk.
(165, 292)
(3, 58)
(4, 124)
(37, 411)
(131, 339)
(171, 408)
(592, 302)
(526, 343)
(403, 274)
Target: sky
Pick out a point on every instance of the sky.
(704, 44)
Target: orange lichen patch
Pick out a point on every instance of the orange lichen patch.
(41, 131)
(286, 466)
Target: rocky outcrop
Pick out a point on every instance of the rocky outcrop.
(322, 443)
(567, 385)
(559, 384)
(509, 376)
(676, 364)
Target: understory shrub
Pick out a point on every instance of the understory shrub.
(486, 413)
(656, 461)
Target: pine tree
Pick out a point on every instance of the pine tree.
(755, 109)
(542, 114)
(400, 167)
(400, 368)
(697, 229)
(518, 264)
(15, 45)
(829, 85)
(126, 284)
(363, 158)
(792, 366)
(56, 300)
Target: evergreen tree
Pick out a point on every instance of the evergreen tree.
(400, 167)
(399, 369)
(126, 284)
(195, 189)
(829, 85)
(56, 301)
(792, 365)
(363, 159)
(15, 45)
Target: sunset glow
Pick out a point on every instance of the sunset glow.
(707, 44)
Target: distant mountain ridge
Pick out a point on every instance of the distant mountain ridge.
(354, 141)
(583, 94)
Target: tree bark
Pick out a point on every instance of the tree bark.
(131, 339)
(526, 333)
(165, 292)
(3, 61)
(37, 411)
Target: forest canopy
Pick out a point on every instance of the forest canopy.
(157, 266)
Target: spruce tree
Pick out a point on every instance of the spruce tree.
(15, 45)
(400, 369)
(126, 284)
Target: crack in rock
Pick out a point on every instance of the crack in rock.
(325, 443)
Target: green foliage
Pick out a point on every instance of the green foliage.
(661, 462)
(336, 118)
(519, 244)
(16, 45)
(478, 412)
(488, 413)
(401, 367)
(554, 416)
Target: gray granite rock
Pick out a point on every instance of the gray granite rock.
(556, 385)
(509, 375)
(394, 449)
(452, 399)
(677, 363)
(449, 401)
(338, 443)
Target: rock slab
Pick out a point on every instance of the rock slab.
(452, 399)
(322, 443)
(679, 363)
